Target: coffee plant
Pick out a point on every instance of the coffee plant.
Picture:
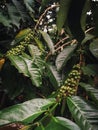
(49, 65)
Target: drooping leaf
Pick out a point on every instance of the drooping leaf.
(87, 38)
(64, 56)
(90, 69)
(39, 44)
(54, 76)
(28, 67)
(60, 123)
(34, 72)
(25, 112)
(94, 48)
(91, 91)
(67, 123)
(19, 63)
(34, 51)
(40, 63)
(48, 41)
(84, 113)
(63, 13)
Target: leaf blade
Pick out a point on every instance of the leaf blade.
(48, 41)
(64, 56)
(85, 115)
(63, 13)
(20, 113)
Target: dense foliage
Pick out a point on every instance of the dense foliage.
(49, 64)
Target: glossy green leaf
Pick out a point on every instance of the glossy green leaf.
(25, 112)
(48, 41)
(34, 51)
(40, 63)
(28, 67)
(34, 72)
(90, 69)
(60, 123)
(19, 63)
(64, 56)
(84, 113)
(63, 13)
(54, 76)
(94, 48)
(91, 91)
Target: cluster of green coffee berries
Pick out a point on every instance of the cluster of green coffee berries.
(70, 85)
(22, 45)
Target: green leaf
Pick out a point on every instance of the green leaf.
(84, 113)
(29, 5)
(19, 63)
(21, 35)
(60, 123)
(40, 63)
(5, 20)
(34, 51)
(54, 76)
(87, 38)
(48, 41)
(13, 14)
(64, 56)
(94, 48)
(34, 72)
(21, 10)
(25, 112)
(68, 124)
(86, 8)
(90, 69)
(28, 67)
(63, 13)
(39, 44)
(91, 91)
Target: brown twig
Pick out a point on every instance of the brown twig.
(61, 47)
(60, 41)
(41, 17)
(89, 29)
